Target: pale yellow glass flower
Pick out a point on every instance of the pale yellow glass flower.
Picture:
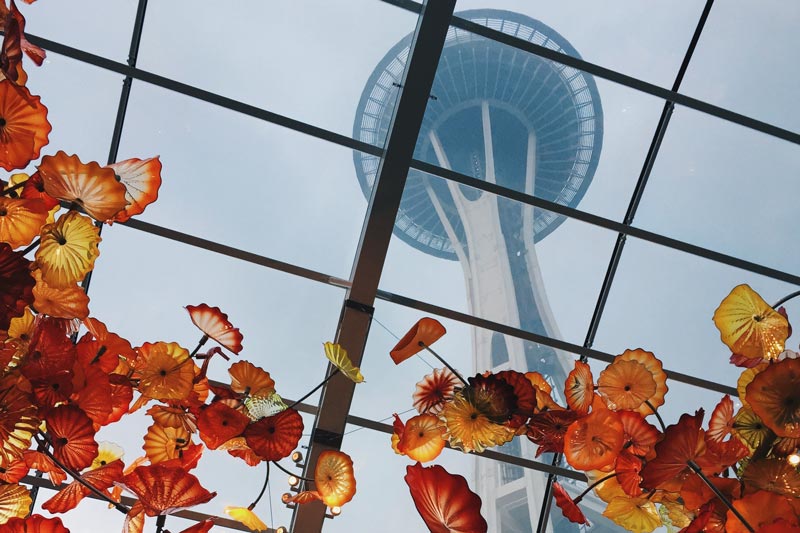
(246, 517)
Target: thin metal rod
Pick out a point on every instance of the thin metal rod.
(644, 176)
(315, 389)
(720, 495)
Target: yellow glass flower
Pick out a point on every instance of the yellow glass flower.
(68, 249)
(107, 452)
(749, 326)
(338, 356)
(15, 501)
(246, 517)
(469, 429)
(638, 515)
(749, 427)
(21, 327)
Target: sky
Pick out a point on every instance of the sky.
(272, 191)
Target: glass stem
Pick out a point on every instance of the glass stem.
(13, 188)
(721, 496)
(445, 363)
(160, 521)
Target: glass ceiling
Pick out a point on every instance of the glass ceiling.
(252, 109)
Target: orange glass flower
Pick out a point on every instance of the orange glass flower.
(721, 422)
(682, 442)
(173, 417)
(247, 517)
(68, 249)
(444, 500)
(434, 390)
(24, 128)
(99, 347)
(142, 179)
(90, 186)
(773, 474)
(164, 443)
(70, 302)
(760, 508)
(774, 395)
(20, 220)
(275, 437)
(165, 489)
(218, 423)
(16, 285)
(72, 436)
(164, 370)
(334, 479)
(214, 323)
(626, 385)
(337, 355)
(34, 524)
(656, 369)
(640, 437)
(579, 388)
(749, 326)
(422, 438)
(568, 507)
(593, 441)
(246, 378)
(200, 527)
(70, 496)
(424, 333)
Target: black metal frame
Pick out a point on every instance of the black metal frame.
(396, 160)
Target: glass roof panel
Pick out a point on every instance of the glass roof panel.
(565, 270)
(733, 196)
(621, 36)
(247, 183)
(740, 62)
(160, 277)
(96, 26)
(307, 60)
(663, 300)
(82, 121)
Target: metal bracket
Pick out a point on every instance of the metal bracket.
(327, 438)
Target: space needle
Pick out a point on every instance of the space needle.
(520, 121)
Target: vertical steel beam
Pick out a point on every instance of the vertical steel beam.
(354, 322)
